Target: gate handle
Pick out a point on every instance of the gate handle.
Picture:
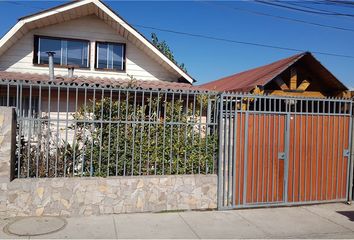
(281, 155)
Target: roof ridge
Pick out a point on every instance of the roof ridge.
(298, 56)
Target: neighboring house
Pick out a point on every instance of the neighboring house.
(298, 75)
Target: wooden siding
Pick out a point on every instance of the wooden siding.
(19, 57)
(317, 167)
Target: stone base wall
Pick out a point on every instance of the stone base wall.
(93, 196)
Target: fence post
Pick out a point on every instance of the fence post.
(351, 158)
(7, 143)
(220, 187)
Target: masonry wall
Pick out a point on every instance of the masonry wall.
(93, 196)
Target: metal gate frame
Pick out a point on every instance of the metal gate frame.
(237, 103)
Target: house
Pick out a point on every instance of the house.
(89, 37)
(298, 75)
(90, 46)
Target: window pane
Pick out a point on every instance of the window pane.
(77, 52)
(67, 52)
(49, 45)
(118, 57)
(102, 55)
(110, 56)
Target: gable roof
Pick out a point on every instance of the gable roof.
(80, 8)
(260, 76)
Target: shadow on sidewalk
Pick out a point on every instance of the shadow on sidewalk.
(348, 214)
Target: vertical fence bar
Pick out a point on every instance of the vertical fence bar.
(133, 123)
(126, 130)
(66, 129)
(171, 131)
(286, 160)
(19, 102)
(142, 129)
(245, 169)
(220, 158)
(225, 153)
(193, 126)
(156, 124)
(229, 146)
(39, 116)
(234, 155)
(94, 117)
(185, 133)
(101, 132)
(215, 122)
(164, 133)
(118, 132)
(48, 131)
(57, 144)
(29, 120)
(83, 157)
(351, 154)
(109, 130)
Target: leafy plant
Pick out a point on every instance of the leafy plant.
(165, 49)
(123, 137)
(159, 137)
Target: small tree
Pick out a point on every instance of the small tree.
(165, 49)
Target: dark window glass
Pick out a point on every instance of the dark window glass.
(49, 45)
(110, 56)
(102, 55)
(77, 53)
(67, 52)
(118, 57)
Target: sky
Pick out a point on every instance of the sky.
(207, 59)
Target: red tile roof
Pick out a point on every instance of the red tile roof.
(248, 80)
(80, 80)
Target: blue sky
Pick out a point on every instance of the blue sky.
(207, 60)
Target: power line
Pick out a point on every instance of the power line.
(242, 42)
(312, 8)
(329, 3)
(341, 2)
(234, 41)
(280, 17)
(303, 10)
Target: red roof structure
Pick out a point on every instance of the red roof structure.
(97, 81)
(260, 76)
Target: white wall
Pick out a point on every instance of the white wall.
(19, 58)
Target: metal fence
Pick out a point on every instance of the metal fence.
(283, 150)
(70, 130)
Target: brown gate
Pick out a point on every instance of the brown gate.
(283, 151)
(318, 162)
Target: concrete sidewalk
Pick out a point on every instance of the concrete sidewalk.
(320, 221)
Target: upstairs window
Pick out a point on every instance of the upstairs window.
(110, 56)
(67, 51)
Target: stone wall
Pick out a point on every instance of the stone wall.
(93, 196)
(7, 143)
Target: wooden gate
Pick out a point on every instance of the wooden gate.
(283, 151)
